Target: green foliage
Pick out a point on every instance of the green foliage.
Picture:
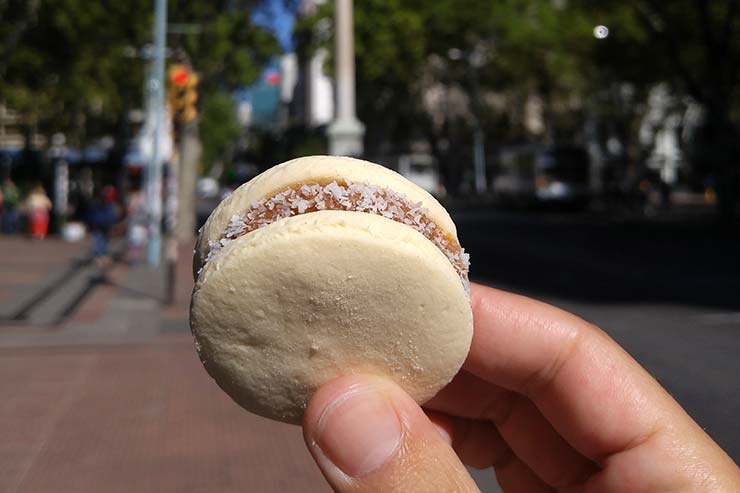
(308, 34)
(536, 47)
(266, 148)
(218, 126)
(68, 63)
(228, 50)
(527, 45)
(545, 46)
(385, 55)
(75, 66)
(390, 46)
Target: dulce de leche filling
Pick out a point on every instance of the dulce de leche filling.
(313, 197)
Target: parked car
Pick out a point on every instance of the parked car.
(528, 175)
(422, 170)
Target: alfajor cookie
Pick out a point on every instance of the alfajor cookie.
(328, 266)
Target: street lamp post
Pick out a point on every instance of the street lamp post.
(154, 170)
(346, 132)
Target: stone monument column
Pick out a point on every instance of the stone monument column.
(346, 131)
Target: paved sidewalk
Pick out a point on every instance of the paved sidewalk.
(115, 399)
(136, 418)
(26, 264)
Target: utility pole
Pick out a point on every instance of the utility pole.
(346, 131)
(189, 152)
(184, 96)
(154, 170)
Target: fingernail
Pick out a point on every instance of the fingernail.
(359, 431)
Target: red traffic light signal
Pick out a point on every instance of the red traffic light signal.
(183, 93)
(179, 75)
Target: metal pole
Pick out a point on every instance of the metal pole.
(189, 154)
(479, 151)
(345, 46)
(171, 222)
(346, 132)
(61, 190)
(479, 160)
(154, 177)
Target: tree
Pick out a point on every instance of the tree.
(226, 48)
(403, 57)
(389, 52)
(219, 127)
(66, 68)
(692, 45)
(67, 64)
(544, 48)
(698, 40)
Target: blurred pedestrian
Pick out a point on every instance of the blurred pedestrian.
(137, 222)
(37, 206)
(10, 199)
(101, 217)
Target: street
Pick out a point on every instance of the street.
(667, 292)
(114, 391)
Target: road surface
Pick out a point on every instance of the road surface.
(668, 292)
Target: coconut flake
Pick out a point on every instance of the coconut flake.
(301, 205)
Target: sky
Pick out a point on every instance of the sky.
(275, 16)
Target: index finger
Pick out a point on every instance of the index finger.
(592, 392)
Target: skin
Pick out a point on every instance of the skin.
(547, 399)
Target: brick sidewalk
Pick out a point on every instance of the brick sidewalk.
(136, 418)
(24, 263)
(115, 399)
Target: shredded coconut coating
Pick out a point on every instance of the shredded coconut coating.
(348, 197)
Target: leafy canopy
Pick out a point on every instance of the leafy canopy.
(76, 66)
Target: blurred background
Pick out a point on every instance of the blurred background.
(588, 151)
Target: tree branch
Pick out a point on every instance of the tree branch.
(714, 67)
(706, 24)
(725, 41)
(727, 31)
(11, 41)
(660, 29)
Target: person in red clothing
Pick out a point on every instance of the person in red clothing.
(37, 207)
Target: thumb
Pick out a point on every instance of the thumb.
(368, 435)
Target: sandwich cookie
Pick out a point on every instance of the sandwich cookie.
(328, 266)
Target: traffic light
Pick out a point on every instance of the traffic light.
(183, 93)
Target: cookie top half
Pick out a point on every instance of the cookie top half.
(316, 170)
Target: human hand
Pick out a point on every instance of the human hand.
(547, 399)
